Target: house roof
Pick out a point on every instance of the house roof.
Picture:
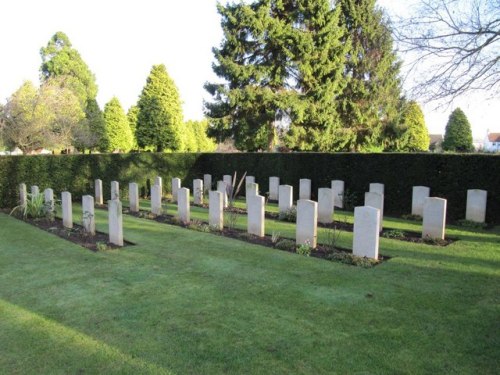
(436, 138)
(494, 137)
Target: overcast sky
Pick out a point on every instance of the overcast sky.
(120, 40)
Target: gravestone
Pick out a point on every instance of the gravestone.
(305, 188)
(249, 180)
(377, 188)
(251, 190)
(325, 205)
(49, 199)
(183, 209)
(88, 218)
(115, 190)
(23, 195)
(285, 198)
(99, 198)
(207, 183)
(198, 191)
(216, 210)
(376, 200)
(35, 190)
(476, 205)
(176, 185)
(255, 208)
(338, 193)
(156, 208)
(274, 183)
(434, 218)
(159, 181)
(133, 196)
(67, 210)
(419, 194)
(229, 184)
(366, 232)
(115, 222)
(306, 230)
(221, 187)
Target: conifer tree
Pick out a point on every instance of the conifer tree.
(160, 119)
(458, 133)
(416, 135)
(370, 100)
(132, 114)
(117, 129)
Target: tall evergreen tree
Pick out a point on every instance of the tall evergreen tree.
(458, 133)
(370, 100)
(281, 60)
(132, 114)
(117, 129)
(160, 119)
(416, 135)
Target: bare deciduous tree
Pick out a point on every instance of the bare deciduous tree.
(452, 47)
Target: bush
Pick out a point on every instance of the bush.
(284, 244)
(352, 259)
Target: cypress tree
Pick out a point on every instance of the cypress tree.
(416, 136)
(160, 119)
(117, 129)
(458, 133)
(132, 114)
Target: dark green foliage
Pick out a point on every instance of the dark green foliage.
(159, 121)
(90, 135)
(353, 260)
(284, 244)
(458, 133)
(132, 114)
(117, 129)
(448, 175)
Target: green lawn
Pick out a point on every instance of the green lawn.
(185, 302)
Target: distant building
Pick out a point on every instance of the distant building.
(436, 142)
(491, 142)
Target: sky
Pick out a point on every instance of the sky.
(120, 40)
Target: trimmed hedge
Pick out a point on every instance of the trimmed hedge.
(448, 175)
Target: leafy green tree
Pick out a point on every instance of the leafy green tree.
(60, 59)
(90, 134)
(280, 61)
(458, 133)
(371, 98)
(199, 141)
(117, 129)
(132, 114)
(160, 119)
(416, 136)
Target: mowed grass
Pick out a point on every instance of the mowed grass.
(185, 302)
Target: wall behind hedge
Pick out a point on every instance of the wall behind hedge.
(448, 175)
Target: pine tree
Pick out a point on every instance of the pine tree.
(458, 133)
(132, 114)
(281, 61)
(117, 129)
(160, 119)
(370, 100)
(416, 136)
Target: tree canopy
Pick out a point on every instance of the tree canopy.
(458, 133)
(118, 135)
(160, 119)
(415, 135)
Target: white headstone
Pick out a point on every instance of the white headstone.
(252, 189)
(198, 191)
(23, 195)
(216, 209)
(377, 188)
(274, 183)
(305, 188)
(229, 184)
(88, 219)
(133, 196)
(176, 185)
(376, 200)
(67, 210)
(159, 181)
(183, 208)
(434, 218)
(115, 219)
(34, 190)
(221, 187)
(207, 183)
(306, 231)
(98, 192)
(285, 198)
(420, 193)
(476, 205)
(49, 199)
(366, 232)
(156, 208)
(325, 205)
(249, 180)
(115, 190)
(338, 193)
(255, 222)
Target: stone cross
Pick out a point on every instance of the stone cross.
(67, 210)
(305, 188)
(115, 222)
(285, 198)
(88, 219)
(133, 196)
(338, 193)
(183, 208)
(325, 205)
(198, 191)
(98, 192)
(476, 205)
(434, 218)
(255, 220)
(216, 210)
(419, 194)
(306, 231)
(274, 183)
(366, 232)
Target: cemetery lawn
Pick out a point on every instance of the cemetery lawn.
(186, 302)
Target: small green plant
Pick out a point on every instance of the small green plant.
(434, 241)
(289, 215)
(199, 226)
(471, 224)
(393, 233)
(411, 217)
(35, 208)
(101, 246)
(354, 260)
(284, 244)
(275, 237)
(304, 249)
